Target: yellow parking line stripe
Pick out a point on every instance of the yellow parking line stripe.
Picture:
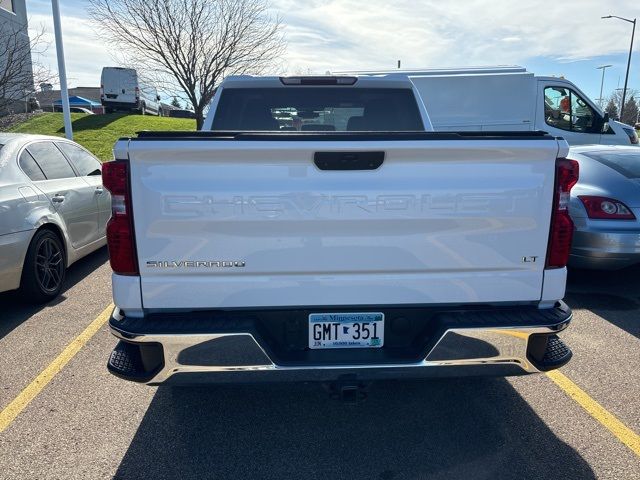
(12, 410)
(597, 411)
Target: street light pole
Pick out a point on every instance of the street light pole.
(626, 78)
(62, 72)
(603, 68)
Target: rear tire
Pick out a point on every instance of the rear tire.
(44, 268)
(108, 111)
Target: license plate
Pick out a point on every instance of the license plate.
(346, 330)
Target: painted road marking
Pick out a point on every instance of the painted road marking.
(623, 433)
(597, 411)
(14, 409)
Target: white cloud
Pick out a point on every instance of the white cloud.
(352, 34)
(358, 34)
(85, 54)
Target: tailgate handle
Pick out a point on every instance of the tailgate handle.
(348, 160)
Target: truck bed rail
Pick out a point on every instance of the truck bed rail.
(337, 136)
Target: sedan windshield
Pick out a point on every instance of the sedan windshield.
(628, 163)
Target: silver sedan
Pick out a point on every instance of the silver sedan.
(605, 207)
(53, 211)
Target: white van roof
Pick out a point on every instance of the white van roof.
(442, 71)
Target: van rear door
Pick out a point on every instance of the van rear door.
(119, 84)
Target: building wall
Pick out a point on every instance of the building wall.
(13, 17)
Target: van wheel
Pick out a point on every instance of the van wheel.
(108, 110)
(44, 268)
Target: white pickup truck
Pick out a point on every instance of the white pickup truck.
(321, 231)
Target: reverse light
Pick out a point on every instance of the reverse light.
(603, 208)
(120, 234)
(561, 232)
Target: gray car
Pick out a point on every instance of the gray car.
(605, 207)
(53, 211)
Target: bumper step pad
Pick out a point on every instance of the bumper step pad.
(556, 354)
(126, 361)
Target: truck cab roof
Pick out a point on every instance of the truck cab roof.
(353, 81)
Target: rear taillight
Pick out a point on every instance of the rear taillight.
(561, 223)
(603, 208)
(120, 236)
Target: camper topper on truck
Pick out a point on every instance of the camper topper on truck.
(512, 99)
(122, 90)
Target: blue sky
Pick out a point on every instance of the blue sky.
(548, 37)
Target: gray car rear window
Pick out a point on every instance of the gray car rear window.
(30, 167)
(628, 163)
(51, 161)
(85, 164)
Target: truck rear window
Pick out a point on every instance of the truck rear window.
(317, 109)
(628, 164)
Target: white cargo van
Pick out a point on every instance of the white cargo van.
(122, 90)
(512, 99)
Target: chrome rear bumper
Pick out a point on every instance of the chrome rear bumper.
(514, 343)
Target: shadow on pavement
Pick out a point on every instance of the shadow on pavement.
(444, 429)
(14, 311)
(612, 295)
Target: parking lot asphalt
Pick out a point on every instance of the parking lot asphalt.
(88, 424)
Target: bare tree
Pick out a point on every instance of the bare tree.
(193, 43)
(18, 72)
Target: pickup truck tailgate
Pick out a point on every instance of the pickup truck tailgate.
(255, 223)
